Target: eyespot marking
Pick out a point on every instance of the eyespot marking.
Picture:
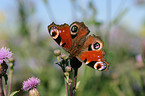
(100, 66)
(74, 30)
(95, 46)
(54, 32)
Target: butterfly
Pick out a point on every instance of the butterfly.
(82, 48)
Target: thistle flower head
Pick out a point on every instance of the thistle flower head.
(5, 54)
(30, 83)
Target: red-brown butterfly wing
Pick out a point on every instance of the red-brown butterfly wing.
(61, 34)
(92, 55)
(79, 33)
(95, 59)
(73, 40)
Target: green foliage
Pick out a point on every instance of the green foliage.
(120, 16)
(34, 56)
(13, 93)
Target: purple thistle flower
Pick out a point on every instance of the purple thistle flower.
(5, 54)
(30, 83)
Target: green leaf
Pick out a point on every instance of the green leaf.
(13, 93)
(77, 86)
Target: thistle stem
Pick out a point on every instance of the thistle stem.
(10, 82)
(6, 90)
(66, 86)
(75, 81)
(70, 89)
(1, 87)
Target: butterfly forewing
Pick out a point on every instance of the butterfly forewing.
(79, 33)
(61, 34)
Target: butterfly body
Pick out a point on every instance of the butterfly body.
(74, 40)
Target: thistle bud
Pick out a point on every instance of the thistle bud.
(34, 92)
(57, 52)
(67, 68)
(63, 56)
(11, 60)
(66, 73)
(69, 81)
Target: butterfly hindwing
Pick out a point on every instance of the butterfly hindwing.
(92, 55)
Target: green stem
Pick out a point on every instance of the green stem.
(70, 89)
(10, 82)
(75, 81)
(6, 89)
(1, 87)
(66, 86)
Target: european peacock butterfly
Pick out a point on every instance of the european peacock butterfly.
(82, 48)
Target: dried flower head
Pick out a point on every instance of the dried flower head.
(30, 83)
(5, 54)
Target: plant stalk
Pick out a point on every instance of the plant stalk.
(10, 83)
(1, 87)
(66, 89)
(75, 81)
(70, 89)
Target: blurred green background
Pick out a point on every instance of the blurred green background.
(120, 23)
